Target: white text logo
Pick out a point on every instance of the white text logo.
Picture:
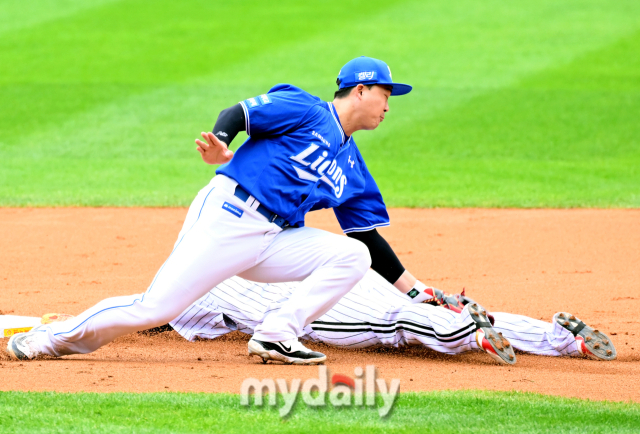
(322, 139)
(365, 76)
(314, 391)
(334, 175)
(265, 99)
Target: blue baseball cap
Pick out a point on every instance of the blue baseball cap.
(367, 71)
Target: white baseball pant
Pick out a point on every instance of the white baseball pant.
(214, 245)
(372, 313)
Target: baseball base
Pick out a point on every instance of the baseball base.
(12, 324)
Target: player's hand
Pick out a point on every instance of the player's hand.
(213, 150)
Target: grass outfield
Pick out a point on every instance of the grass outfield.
(526, 104)
(429, 412)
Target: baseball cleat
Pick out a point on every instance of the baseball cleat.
(23, 346)
(488, 340)
(290, 352)
(591, 343)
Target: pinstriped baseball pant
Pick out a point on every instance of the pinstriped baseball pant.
(372, 313)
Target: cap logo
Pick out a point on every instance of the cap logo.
(390, 72)
(365, 76)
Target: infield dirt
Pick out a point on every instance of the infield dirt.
(531, 262)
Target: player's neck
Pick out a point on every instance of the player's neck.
(346, 115)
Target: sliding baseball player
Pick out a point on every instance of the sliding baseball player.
(375, 313)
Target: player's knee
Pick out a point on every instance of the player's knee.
(154, 312)
(361, 257)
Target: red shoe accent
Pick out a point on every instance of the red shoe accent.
(487, 347)
(456, 309)
(582, 347)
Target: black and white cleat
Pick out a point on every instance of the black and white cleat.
(290, 352)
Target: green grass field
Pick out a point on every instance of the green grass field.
(531, 104)
(433, 412)
(528, 104)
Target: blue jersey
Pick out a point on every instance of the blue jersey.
(298, 159)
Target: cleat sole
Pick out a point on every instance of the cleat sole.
(598, 344)
(499, 347)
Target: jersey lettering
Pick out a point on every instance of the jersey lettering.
(322, 139)
(304, 154)
(338, 178)
(324, 166)
(265, 99)
(319, 160)
(339, 189)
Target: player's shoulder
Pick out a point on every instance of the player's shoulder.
(294, 100)
(290, 91)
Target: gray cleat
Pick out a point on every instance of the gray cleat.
(488, 340)
(591, 343)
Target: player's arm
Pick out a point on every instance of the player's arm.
(359, 217)
(215, 148)
(386, 263)
(280, 110)
(384, 260)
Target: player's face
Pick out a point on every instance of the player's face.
(375, 103)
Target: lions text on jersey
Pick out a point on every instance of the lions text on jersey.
(297, 159)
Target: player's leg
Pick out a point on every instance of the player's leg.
(361, 318)
(213, 246)
(350, 325)
(328, 267)
(565, 335)
(375, 313)
(236, 303)
(202, 320)
(535, 336)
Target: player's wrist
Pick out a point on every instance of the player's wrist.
(420, 293)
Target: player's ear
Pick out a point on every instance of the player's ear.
(359, 89)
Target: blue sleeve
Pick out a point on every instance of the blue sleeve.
(365, 211)
(276, 112)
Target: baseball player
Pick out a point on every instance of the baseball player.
(249, 221)
(375, 313)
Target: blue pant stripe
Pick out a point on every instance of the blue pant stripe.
(155, 278)
(182, 238)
